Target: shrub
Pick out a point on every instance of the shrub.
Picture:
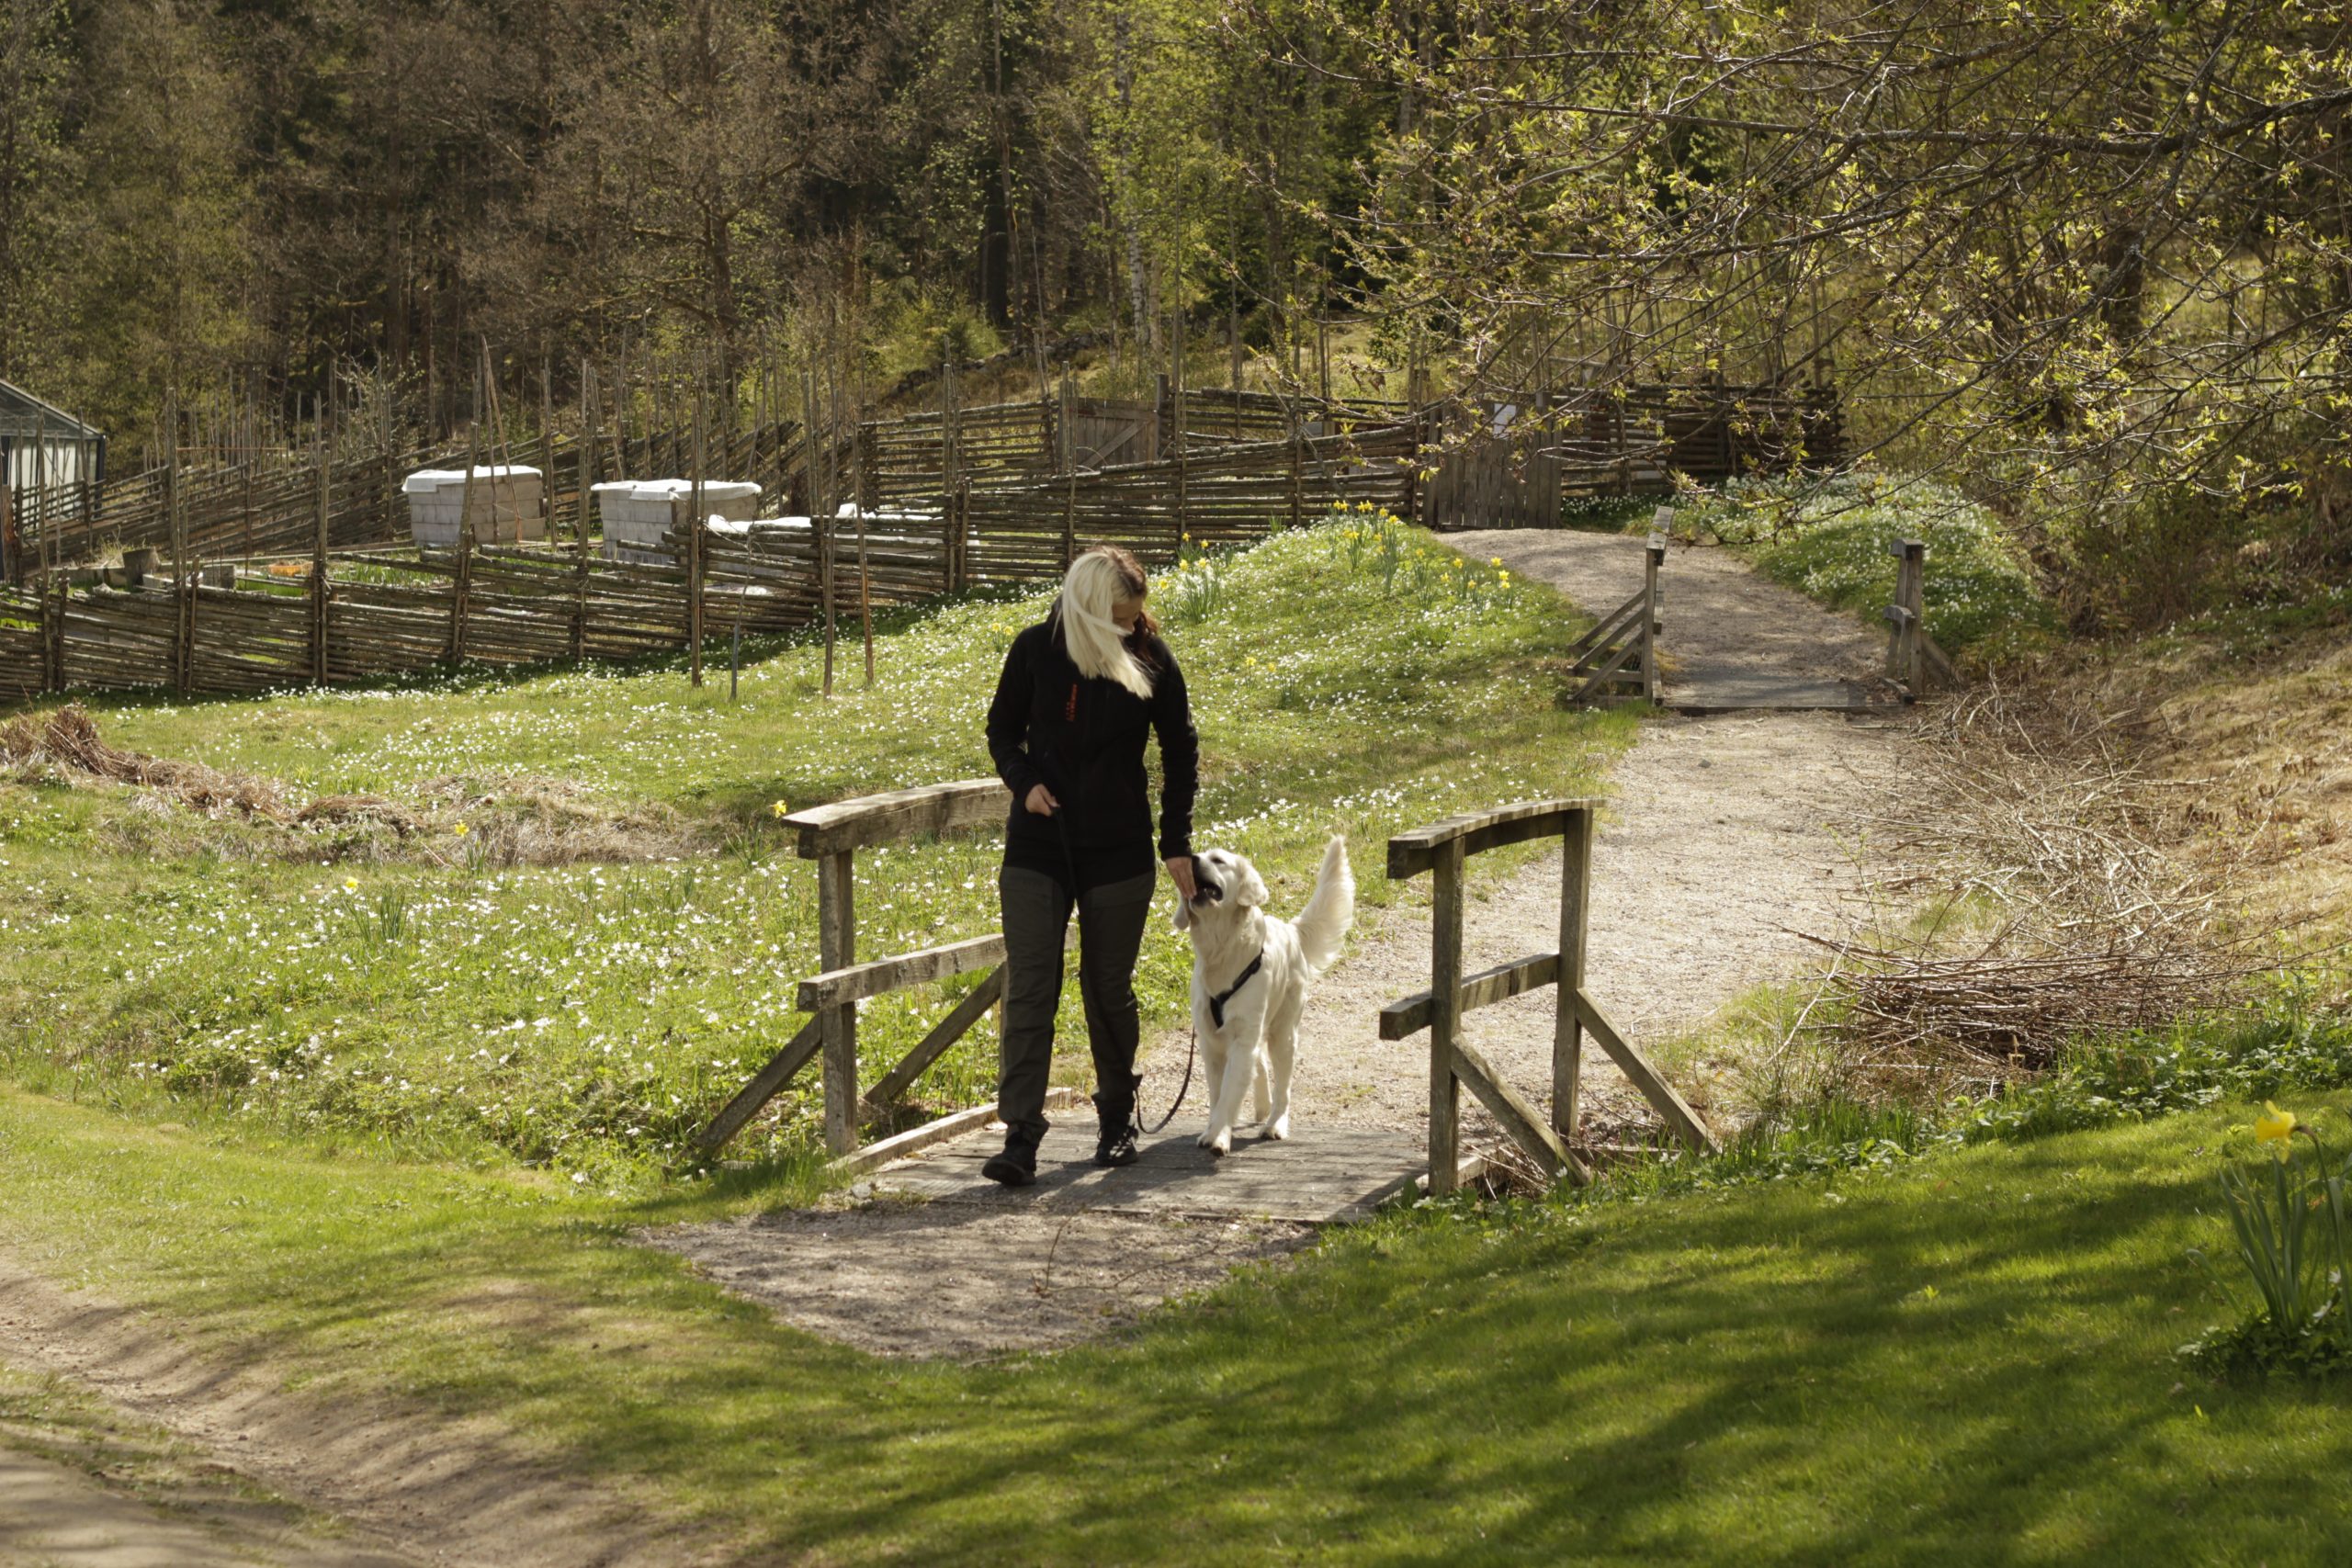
(1831, 540)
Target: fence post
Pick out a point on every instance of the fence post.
(319, 573)
(1445, 1018)
(1297, 502)
(1653, 557)
(694, 500)
(53, 633)
(1904, 615)
(837, 949)
(183, 587)
(1567, 1028)
(588, 417)
(461, 582)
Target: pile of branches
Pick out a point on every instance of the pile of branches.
(2030, 811)
(68, 740)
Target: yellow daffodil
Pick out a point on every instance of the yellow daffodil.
(1494, 560)
(779, 811)
(460, 830)
(350, 883)
(2276, 1127)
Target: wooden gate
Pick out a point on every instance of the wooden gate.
(1508, 476)
(1442, 850)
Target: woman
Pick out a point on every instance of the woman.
(1079, 692)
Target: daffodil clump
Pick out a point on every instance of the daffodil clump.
(1376, 543)
(2292, 1225)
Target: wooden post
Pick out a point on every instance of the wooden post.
(12, 555)
(1184, 461)
(695, 515)
(1653, 557)
(860, 450)
(1567, 1030)
(821, 522)
(837, 949)
(318, 568)
(1445, 1018)
(176, 524)
(1066, 457)
(547, 454)
(951, 515)
(1298, 498)
(588, 419)
(461, 583)
(1902, 636)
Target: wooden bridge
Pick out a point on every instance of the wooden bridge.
(1324, 1174)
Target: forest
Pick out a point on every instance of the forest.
(2089, 261)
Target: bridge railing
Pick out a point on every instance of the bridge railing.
(1442, 850)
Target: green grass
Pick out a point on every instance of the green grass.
(1859, 1338)
(1968, 1357)
(1830, 539)
(588, 1015)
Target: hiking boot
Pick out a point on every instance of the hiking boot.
(1114, 1113)
(1017, 1165)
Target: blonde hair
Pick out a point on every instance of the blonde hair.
(1096, 581)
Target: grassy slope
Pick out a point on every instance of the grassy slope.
(1966, 1360)
(1831, 541)
(594, 1015)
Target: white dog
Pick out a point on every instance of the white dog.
(1250, 973)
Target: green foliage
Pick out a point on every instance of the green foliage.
(1831, 540)
(2294, 1232)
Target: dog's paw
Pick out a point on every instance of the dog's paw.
(1279, 1127)
(1219, 1143)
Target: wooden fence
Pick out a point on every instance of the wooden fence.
(271, 506)
(1512, 459)
(1442, 850)
(344, 617)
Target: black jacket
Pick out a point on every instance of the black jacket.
(1083, 739)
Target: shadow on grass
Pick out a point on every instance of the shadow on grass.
(1966, 1363)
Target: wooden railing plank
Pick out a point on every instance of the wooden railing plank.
(838, 987)
(766, 1084)
(1409, 854)
(1404, 1019)
(1520, 1121)
(898, 814)
(944, 1033)
(1636, 1068)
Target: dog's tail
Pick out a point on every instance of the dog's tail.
(1330, 909)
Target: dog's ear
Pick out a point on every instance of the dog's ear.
(1182, 918)
(1251, 889)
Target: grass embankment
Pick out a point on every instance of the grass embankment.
(1964, 1359)
(412, 996)
(1831, 540)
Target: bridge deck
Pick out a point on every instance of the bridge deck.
(1319, 1176)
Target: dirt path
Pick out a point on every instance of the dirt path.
(419, 1488)
(1722, 832)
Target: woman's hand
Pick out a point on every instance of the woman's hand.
(1041, 801)
(1180, 871)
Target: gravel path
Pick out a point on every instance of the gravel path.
(1722, 831)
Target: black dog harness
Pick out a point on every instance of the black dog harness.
(1217, 1003)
